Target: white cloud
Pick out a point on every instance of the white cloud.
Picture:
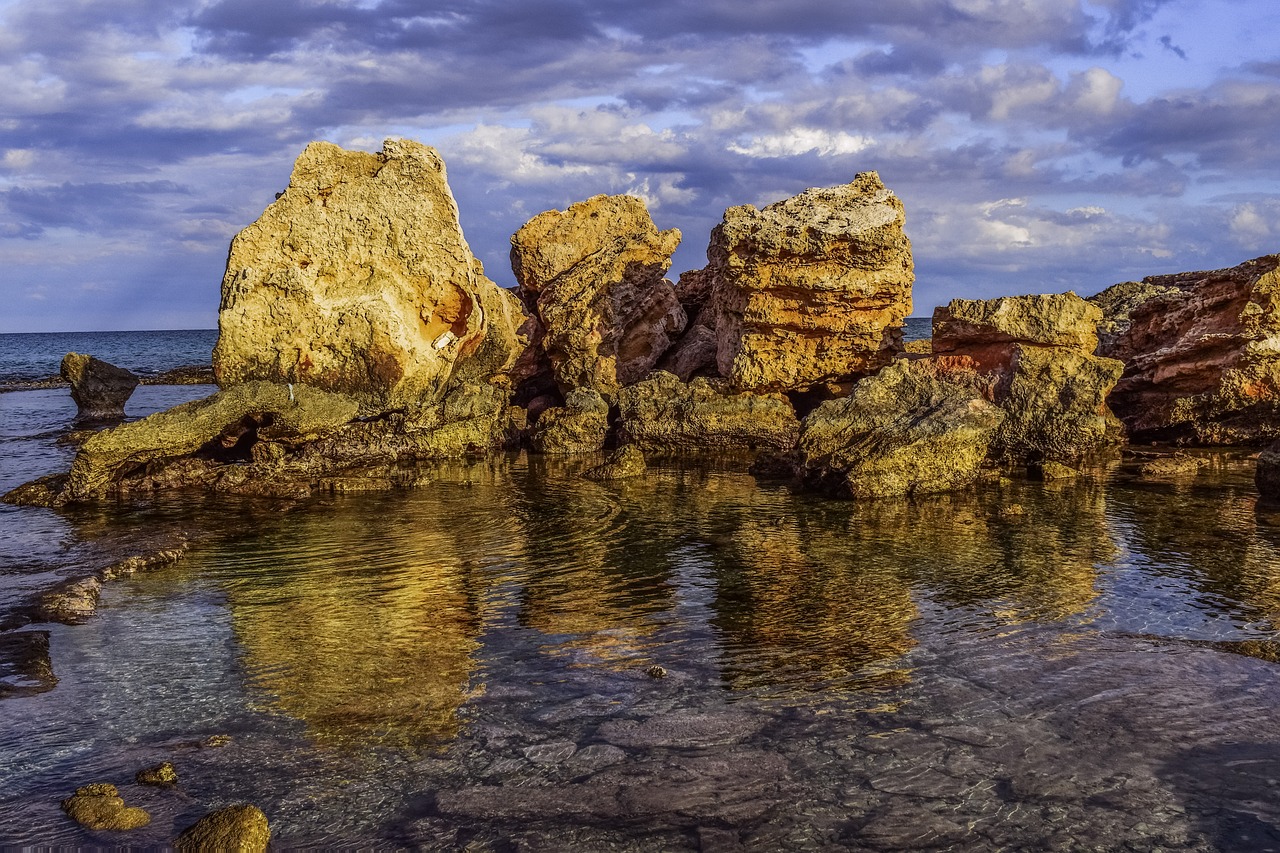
(802, 140)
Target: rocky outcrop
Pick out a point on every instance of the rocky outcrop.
(1037, 353)
(358, 280)
(100, 807)
(592, 276)
(663, 414)
(243, 829)
(100, 389)
(579, 426)
(913, 428)
(809, 290)
(1201, 356)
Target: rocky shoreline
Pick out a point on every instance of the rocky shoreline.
(359, 337)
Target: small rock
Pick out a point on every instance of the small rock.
(1012, 511)
(162, 774)
(657, 671)
(100, 807)
(242, 828)
(217, 741)
(626, 461)
(1172, 466)
(1055, 471)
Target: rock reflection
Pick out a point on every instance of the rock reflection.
(362, 621)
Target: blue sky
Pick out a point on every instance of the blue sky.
(1038, 145)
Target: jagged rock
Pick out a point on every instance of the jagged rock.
(358, 280)
(579, 426)
(626, 461)
(664, 414)
(71, 603)
(99, 389)
(1202, 356)
(693, 355)
(593, 277)
(1117, 303)
(221, 424)
(239, 829)
(100, 807)
(811, 289)
(163, 774)
(914, 427)
(1267, 475)
(1037, 352)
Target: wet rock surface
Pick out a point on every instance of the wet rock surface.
(99, 389)
(100, 807)
(664, 414)
(242, 828)
(579, 426)
(623, 463)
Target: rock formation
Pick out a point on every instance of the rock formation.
(626, 461)
(100, 807)
(915, 427)
(809, 290)
(358, 280)
(579, 426)
(1038, 352)
(592, 276)
(1201, 355)
(242, 828)
(99, 389)
(664, 414)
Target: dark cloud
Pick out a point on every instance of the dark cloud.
(1167, 43)
(85, 207)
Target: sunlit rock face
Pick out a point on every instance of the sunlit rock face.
(358, 280)
(1201, 354)
(592, 276)
(808, 290)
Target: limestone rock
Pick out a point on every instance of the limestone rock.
(236, 829)
(593, 276)
(1267, 475)
(221, 423)
(1037, 352)
(811, 289)
(580, 426)
(664, 414)
(99, 389)
(358, 280)
(626, 461)
(163, 774)
(1117, 303)
(1202, 357)
(100, 807)
(912, 428)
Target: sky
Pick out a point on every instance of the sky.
(1037, 145)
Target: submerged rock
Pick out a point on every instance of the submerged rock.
(1177, 465)
(912, 428)
(99, 389)
(811, 289)
(25, 667)
(664, 414)
(579, 426)
(71, 603)
(242, 829)
(626, 461)
(163, 774)
(1267, 474)
(358, 280)
(100, 807)
(1201, 354)
(592, 275)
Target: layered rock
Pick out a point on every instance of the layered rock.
(358, 280)
(809, 290)
(1201, 355)
(99, 389)
(592, 276)
(664, 414)
(913, 428)
(1037, 352)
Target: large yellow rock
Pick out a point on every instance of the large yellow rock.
(593, 276)
(812, 289)
(358, 280)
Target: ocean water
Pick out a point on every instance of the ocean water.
(1088, 665)
(38, 355)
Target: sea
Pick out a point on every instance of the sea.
(514, 658)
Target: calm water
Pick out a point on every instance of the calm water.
(26, 357)
(465, 666)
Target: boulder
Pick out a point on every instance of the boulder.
(99, 389)
(1267, 475)
(72, 602)
(664, 414)
(162, 775)
(915, 427)
(1037, 353)
(809, 290)
(1201, 355)
(357, 280)
(626, 461)
(236, 829)
(100, 807)
(579, 426)
(592, 275)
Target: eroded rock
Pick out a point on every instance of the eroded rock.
(593, 277)
(811, 289)
(1202, 355)
(579, 426)
(358, 280)
(100, 807)
(664, 414)
(242, 828)
(100, 389)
